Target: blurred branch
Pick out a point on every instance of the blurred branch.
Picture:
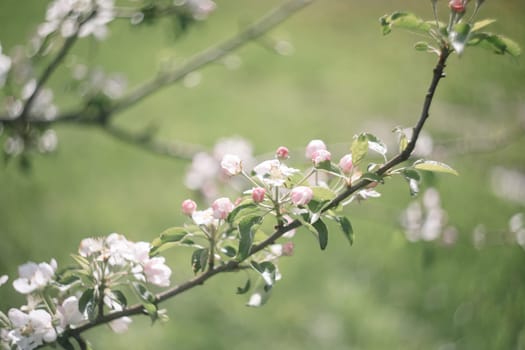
(234, 265)
(103, 115)
(255, 30)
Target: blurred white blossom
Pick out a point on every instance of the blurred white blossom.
(426, 220)
(34, 276)
(508, 184)
(65, 16)
(5, 65)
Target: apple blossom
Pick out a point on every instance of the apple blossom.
(288, 249)
(5, 65)
(231, 164)
(313, 146)
(258, 194)
(33, 276)
(321, 156)
(120, 325)
(222, 207)
(3, 279)
(157, 272)
(68, 313)
(32, 329)
(346, 164)
(273, 172)
(282, 153)
(204, 217)
(189, 207)
(301, 195)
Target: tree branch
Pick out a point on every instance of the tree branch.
(234, 265)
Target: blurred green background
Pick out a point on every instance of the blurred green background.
(344, 77)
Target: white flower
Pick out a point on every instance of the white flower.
(204, 217)
(90, 246)
(120, 325)
(68, 313)
(157, 272)
(3, 279)
(231, 164)
(273, 173)
(33, 276)
(5, 65)
(32, 329)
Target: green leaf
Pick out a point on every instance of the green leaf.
(121, 298)
(267, 271)
(247, 227)
(481, 24)
(499, 44)
(372, 177)
(229, 251)
(421, 46)
(459, 36)
(346, 227)
(240, 210)
(86, 298)
(411, 174)
(143, 292)
(404, 20)
(328, 166)
(359, 148)
(375, 144)
(173, 234)
(322, 193)
(152, 311)
(246, 288)
(199, 259)
(431, 165)
(322, 233)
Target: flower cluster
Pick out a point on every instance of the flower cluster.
(78, 17)
(58, 301)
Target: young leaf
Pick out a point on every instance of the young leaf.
(346, 227)
(376, 144)
(152, 311)
(121, 298)
(85, 299)
(372, 177)
(359, 148)
(421, 46)
(247, 228)
(246, 288)
(404, 20)
(322, 233)
(143, 292)
(240, 210)
(482, 24)
(173, 234)
(430, 165)
(199, 259)
(499, 44)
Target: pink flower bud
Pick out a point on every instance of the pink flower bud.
(313, 146)
(231, 164)
(346, 164)
(222, 207)
(188, 207)
(288, 248)
(320, 156)
(457, 6)
(301, 195)
(282, 153)
(258, 194)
